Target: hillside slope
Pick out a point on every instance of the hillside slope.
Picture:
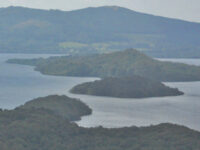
(117, 64)
(96, 30)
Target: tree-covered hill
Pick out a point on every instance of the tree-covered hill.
(96, 30)
(43, 129)
(117, 64)
(126, 87)
(69, 108)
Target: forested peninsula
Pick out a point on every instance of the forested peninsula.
(43, 128)
(117, 64)
(69, 108)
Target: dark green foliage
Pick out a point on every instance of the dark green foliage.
(30, 129)
(41, 129)
(118, 64)
(69, 108)
(126, 87)
(96, 30)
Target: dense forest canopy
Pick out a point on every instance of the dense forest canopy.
(69, 108)
(43, 129)
(96, 30)
(117, 64)
(126, 87)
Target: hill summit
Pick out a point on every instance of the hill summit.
(96, 30)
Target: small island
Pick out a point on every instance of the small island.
(69, 108)
(126, 87)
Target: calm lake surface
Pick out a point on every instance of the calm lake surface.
(19, 84)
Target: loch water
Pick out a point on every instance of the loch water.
(19, 84)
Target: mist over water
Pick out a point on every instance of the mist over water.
(19, 84)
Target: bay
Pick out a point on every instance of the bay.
(19, 84)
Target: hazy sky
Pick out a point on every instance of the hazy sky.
(183, 9)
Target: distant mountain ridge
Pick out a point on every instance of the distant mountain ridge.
(96, 30)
